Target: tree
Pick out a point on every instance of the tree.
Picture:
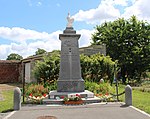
(14, 56)
(127, 41)
(40, 51)
(48, 68)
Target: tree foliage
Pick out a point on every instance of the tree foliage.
(93, 68)
(14, 56)
(127, 41)
(48, 68)
(96, 67)
(40, 51)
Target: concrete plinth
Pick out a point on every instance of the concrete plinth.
(84, 94)
(70, 86)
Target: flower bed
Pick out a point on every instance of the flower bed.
(38, 97)
(73, 100)
(35, 93)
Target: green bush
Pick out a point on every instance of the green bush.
(50, 85)
(96, 67)
(101, 88)
(93, 67)
(47, 69)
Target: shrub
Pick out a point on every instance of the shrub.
(96, 67)
(96, 88)
(35, 90)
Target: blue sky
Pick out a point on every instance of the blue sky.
(26, 25)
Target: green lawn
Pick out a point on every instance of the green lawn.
(141, 99)
(7, 103)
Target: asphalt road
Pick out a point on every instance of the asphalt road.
(89, 111)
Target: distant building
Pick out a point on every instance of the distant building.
(93, 49)
(29, 63)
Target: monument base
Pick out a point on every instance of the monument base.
(56, 97)
(70, 86)
(85, 94)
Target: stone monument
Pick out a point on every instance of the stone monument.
(70, 79)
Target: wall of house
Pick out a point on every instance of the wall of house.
(10, 71)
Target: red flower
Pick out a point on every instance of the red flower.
(44, 95)
(100, 94)
(31, 94)
(78, 95)
(107, 94)
(62, 97)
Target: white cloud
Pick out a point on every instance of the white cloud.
(85, 39)
(4, 49)
(25, 42)
(20, 34)
(105, 11)
(109, 10)
(139, 8)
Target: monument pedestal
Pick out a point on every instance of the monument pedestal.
(70, 86)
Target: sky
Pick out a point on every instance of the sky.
(26, 25)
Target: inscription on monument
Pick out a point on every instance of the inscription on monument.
(69, 85)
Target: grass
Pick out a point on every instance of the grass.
(140, 100)
(7, 103)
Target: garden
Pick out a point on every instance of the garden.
(127, 62)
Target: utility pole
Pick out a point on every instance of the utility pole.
(116, 80)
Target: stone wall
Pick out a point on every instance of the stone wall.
(93, 49)
(10, 71)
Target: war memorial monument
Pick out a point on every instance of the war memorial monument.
(70, 81)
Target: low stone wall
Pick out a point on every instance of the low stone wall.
(10, 71)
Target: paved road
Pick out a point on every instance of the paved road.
(91, 111)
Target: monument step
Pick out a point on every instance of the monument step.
(84, 94)
(60, 101)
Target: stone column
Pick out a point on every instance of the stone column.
(17, 98)
(128, 95)
(70, 79)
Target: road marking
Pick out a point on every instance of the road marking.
(9, 115)
(140, 111)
